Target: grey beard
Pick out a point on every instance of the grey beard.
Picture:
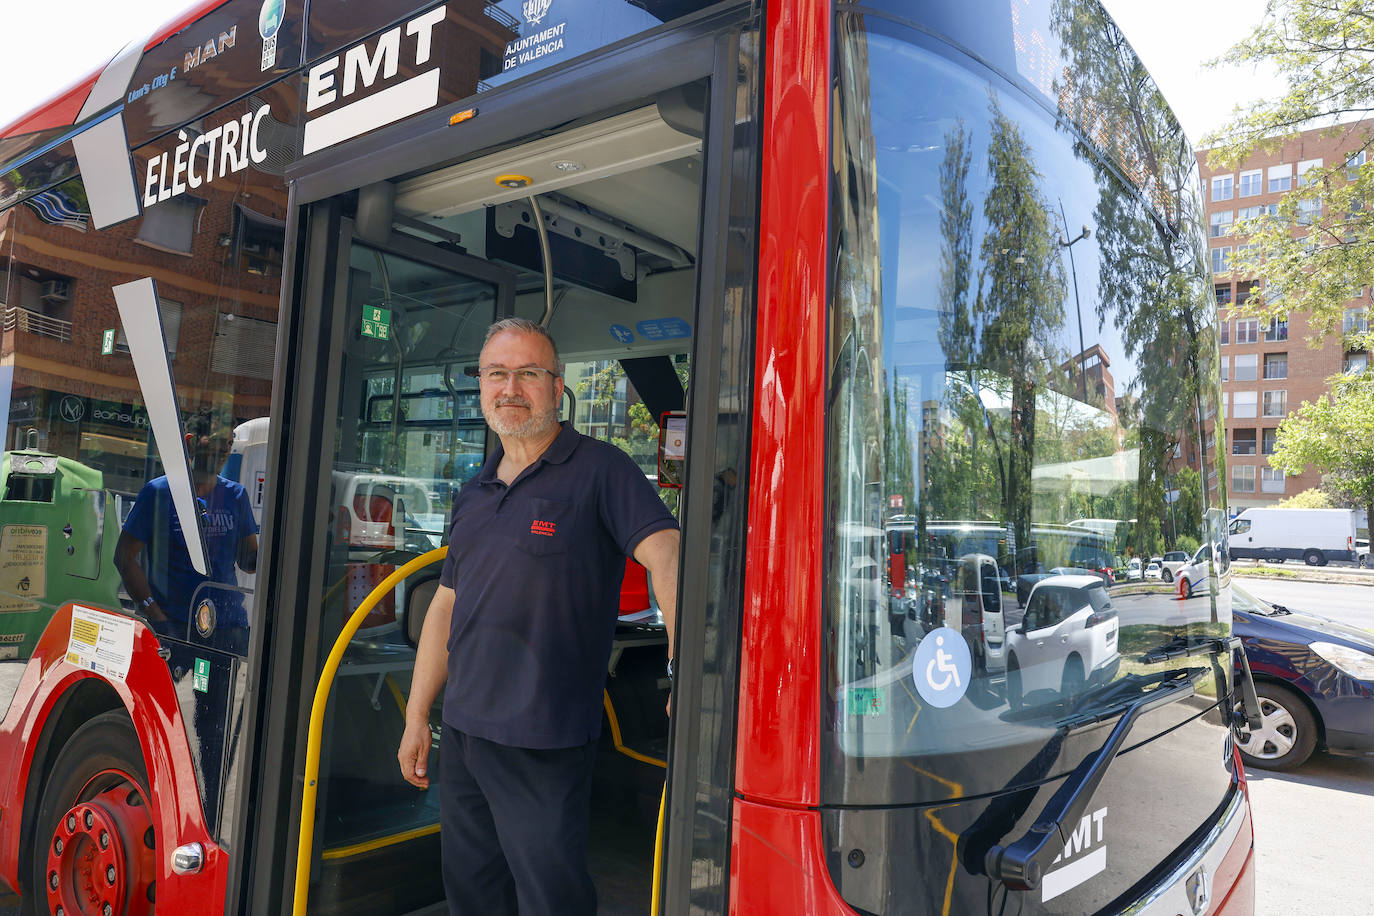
(536, 426)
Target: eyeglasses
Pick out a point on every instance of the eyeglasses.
(499, 375)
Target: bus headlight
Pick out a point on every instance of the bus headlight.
(1354, 662)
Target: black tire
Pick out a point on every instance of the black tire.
(1074, 678)
(1168, 575)
(1313, 557)
(102, 755)
(1288, 734)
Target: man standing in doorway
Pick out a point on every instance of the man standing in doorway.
(519, 634)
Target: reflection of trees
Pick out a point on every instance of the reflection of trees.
(992, 331)
(1019, 302)
(959, 472)
(1154, 287)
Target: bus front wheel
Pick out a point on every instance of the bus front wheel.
(94, 843)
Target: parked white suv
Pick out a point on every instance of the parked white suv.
(1066, 641)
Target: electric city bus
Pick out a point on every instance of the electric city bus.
(825, 270)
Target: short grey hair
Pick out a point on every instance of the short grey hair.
(525, 326)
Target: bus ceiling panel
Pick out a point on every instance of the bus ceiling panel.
(661, 201)
(592, 326)
(660, 61)
(615, 145)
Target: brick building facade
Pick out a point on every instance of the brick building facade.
(1269, 369)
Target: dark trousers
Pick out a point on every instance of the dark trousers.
(514, 828)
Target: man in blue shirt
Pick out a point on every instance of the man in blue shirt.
(152, 556)
(519, 634)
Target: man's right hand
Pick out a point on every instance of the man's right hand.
(414, 753)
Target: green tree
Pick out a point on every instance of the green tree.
(1336, 434)
(1324, 51)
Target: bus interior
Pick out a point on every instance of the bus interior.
(427, 261)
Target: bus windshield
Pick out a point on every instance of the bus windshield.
(1020, 346)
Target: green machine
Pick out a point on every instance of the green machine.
(56, 544)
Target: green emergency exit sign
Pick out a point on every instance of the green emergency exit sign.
(107, 339)
(376, 322)
(200, 679)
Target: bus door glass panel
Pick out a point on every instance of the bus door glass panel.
(84, 516)
(409, 433)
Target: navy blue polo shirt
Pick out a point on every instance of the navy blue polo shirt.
(536, 569)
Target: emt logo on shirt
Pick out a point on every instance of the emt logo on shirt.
(548, 529)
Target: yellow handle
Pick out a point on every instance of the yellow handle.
(322, 689)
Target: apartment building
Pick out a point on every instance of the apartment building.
(1268, 369)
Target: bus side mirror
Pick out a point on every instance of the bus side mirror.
(672, 449)
(417, 606)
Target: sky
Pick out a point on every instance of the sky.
(42, 53)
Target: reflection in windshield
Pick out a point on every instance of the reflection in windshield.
(1018, 347)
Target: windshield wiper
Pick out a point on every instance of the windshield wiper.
(1021, 864)
(1248, 715)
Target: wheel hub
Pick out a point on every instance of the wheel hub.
(99, 860)
(1276, 735)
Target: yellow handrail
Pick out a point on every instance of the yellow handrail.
(322, 689)
(658, 853)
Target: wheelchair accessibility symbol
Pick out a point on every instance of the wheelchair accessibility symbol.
(942, 667)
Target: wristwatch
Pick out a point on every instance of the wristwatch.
(670, 669)
(147, 602)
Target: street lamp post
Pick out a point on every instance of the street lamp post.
(1078, 306)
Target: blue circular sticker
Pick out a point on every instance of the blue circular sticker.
(270, 17)
(942, 667)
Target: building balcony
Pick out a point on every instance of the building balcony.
(30, 322)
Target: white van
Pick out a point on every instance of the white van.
(976, 609)
(1315, 536)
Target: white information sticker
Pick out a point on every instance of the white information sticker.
(101, 642)
(23, 566)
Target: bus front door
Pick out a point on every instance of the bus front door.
(426, 264)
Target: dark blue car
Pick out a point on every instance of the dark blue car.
(1315, 679)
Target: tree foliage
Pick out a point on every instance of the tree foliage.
(1336, 434)
(1324, 51)
(1313, 498)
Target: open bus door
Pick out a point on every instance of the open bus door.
(403, 277)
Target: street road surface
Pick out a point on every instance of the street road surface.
(1350, 604)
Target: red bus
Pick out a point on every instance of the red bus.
(929, 260)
